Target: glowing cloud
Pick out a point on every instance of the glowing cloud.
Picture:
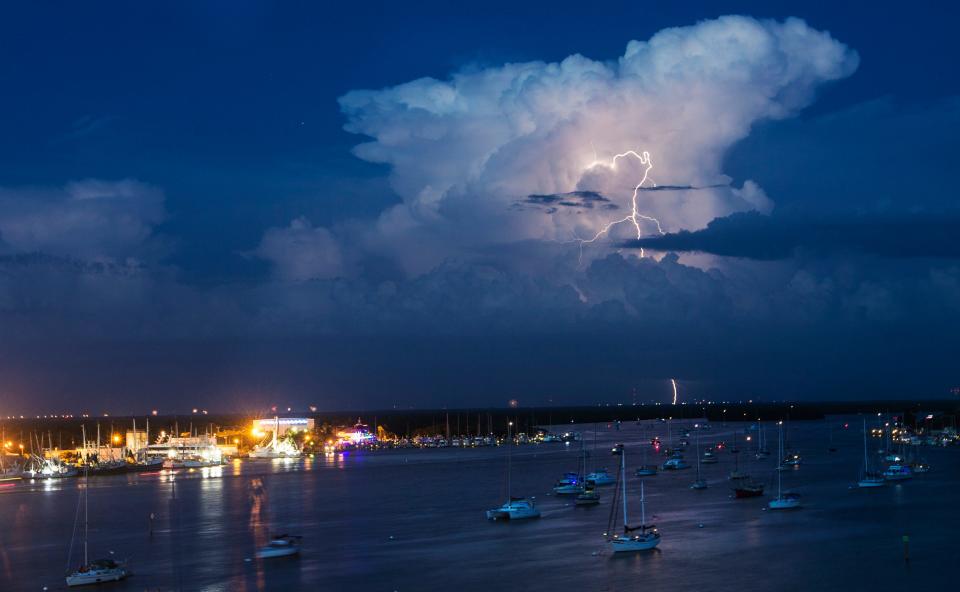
(463, 151)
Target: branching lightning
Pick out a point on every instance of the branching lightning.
(635, 216)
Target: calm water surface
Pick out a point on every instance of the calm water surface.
(412, 520)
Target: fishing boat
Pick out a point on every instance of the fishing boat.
(782, 502)
(46, 468)
(634, 538)
(283, 545)
(97, 571)
(868, 478)
(515, 508)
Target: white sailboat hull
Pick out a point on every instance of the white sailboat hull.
(867, 483)
(634, 544)
(96, 576)
(513, 511)
(786, 503)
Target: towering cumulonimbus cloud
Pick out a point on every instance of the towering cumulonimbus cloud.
(464, 152)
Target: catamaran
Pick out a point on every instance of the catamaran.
(634, 538)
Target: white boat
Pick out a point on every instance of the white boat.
(276, 447)
(634, 538)
(516, 508)
(570, 484)
(674, 464)
(280, 546)
(97, 571)
(601, 477)
(45, 468)
(869, 478)
(783, 502)
(898, 473)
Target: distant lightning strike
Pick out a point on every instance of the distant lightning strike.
(635, 216)
(674, 383)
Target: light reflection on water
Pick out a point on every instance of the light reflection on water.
(412, 520)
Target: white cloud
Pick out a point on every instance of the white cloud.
(463, 151)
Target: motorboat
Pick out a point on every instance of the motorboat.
(674, 464)
(283, 545)
(570, 484)
(898, 473)
(589, 497)
(517, 508)
(600, 477)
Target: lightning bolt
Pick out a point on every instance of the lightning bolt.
(674, 383)
(635, 216)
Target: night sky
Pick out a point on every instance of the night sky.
(357, 205)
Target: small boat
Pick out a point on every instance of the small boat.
(600, 477)
(709, 458)
(570, 484)
(634, 538)
(783, 502)
(792, 460)
(646, 471)
(674, 464)
(517, 508)
(920, 467)
(747, 489)
(283, 545)
(898, 473)
(589, 497)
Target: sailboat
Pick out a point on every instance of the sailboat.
(634, 538)
(699, 483)
(515, 508)
(646, 470)
(869, 478)
(783, 502)
(735, 474)
(98, 570)
(762, 451)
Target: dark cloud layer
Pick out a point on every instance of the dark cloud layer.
(754, 236)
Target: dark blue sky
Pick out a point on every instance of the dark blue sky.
(231, 111)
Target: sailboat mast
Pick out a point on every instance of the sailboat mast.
(866, 467)
(509, 462)
(623, 483)
(698, 455)
(643, 509)
(780, 473)
(86, 513)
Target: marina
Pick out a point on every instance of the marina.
(380, 516)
